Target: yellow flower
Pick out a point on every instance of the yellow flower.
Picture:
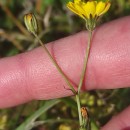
(90, 10)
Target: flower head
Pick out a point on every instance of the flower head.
(89, 10)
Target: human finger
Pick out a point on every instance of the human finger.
(31, 75)
(119, 122)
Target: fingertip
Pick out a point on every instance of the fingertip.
(119, 122)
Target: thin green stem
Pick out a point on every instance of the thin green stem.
(85, 62)
(79, 109)
(56, 65)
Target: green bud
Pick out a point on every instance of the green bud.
(31, 23)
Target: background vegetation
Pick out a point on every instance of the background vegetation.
(55, 21)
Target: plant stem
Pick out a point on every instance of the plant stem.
(79, 109)
(85, 61)
(56, 65)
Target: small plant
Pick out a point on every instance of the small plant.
(90, 11)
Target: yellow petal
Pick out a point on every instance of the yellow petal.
(106, 8)
(70, 5)
(100, 8)
(77, 1)
(89, 8)
(75, 8)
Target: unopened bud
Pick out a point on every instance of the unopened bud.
(31, 23)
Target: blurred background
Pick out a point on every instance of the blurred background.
(55, 22)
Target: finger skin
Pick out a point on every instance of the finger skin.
(119, 122)
(32, 76)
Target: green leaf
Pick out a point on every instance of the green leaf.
(30, 122)
(94, 126)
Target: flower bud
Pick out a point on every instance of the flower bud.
(31, 23)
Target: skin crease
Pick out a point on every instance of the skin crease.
(24, 77)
